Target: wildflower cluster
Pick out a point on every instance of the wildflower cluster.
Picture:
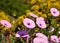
(39, 24)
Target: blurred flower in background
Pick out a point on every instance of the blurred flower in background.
(6, 23)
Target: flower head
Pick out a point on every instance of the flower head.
(41, 23)
(40, 35)
(5, 23)
(54, 38)
(28, 23)
(22, 33)
(54, 12)
(39, 40)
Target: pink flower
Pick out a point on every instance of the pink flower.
(40, 23)
(54, 38)
(5, 23)
(33, 15)
(54, 12)
(39, 40)
(40, 35)
(28, 23)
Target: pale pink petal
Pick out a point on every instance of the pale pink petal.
(54, 12)
(54, 38)
(39, 40)
(5, 23)
(40, 35)
(17, 35)
(28, 23)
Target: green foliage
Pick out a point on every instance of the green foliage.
(12, 7)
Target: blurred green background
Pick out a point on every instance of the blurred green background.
(14, 8)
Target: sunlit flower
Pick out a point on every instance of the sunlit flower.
(54, 38)
(54, 12)
(33, 15)
(5, 23)
(39, 40)
(40, 22)
(28, 23)
(22, 33)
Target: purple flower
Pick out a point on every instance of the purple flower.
(22, 33)
(54, 39)
(5, 23)
(33, 15)
(28, 23)
(54, 12)
(39, 40)
(40, 22)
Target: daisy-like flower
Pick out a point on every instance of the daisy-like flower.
(22, 33)
(29, 23)
(40, 22)
(33, 15)
(54, 38)
(39, 40)
(40, 35)
(5, 23)
(54, 12)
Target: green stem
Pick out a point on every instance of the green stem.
(22, 40)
